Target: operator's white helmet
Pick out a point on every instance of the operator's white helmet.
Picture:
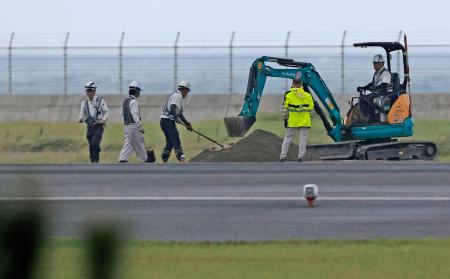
(378, 58)
(136, 84)
(184, 84)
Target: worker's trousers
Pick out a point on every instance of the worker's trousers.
(303, 137)
(134, 140)
(172, 139)
(94, 136)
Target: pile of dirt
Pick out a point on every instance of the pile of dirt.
(259, 146)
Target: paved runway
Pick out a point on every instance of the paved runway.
(219, 202)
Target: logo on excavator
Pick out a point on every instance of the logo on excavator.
(288, 74)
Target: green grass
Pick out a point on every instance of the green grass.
(288, 259)
(66, 143)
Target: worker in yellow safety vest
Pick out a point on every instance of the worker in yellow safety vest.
(297, 107)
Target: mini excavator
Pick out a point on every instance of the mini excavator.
(354, 136)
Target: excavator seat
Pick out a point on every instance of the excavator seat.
(395, 79)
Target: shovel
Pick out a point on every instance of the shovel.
(202, 135)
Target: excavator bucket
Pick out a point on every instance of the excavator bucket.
(238, 126)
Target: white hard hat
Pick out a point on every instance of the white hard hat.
(184, 84)
(378, 58)
(135, 84)
(90, 85)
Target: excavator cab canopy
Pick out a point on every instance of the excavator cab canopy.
(390, 47)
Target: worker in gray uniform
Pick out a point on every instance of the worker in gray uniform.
(378, 87)
(133, 131)
(94, 112)
(173, 113)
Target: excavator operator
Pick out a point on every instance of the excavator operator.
(378, 87)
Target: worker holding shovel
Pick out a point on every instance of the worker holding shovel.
(173, 113)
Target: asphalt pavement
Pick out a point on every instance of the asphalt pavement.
(237, 201)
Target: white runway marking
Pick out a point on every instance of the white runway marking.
(5, 199)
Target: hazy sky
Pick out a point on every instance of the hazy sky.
(48, 16)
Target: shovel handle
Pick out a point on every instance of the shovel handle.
(200, 134)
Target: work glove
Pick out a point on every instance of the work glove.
(177, 120)
(141, 130)
(189, 126)
(360, 88)
(80, 121)
(285, 123)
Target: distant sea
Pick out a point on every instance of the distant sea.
(208, 74)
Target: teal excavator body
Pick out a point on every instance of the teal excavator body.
(334, 123)
(355, 137)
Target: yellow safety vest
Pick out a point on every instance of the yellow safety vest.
(298, 104)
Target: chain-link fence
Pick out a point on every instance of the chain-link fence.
(212, 62)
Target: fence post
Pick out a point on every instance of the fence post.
(175, 58)
(231, 62)
(65, 62)
(11, 39)
(230, 89)
(398, 52)
(122, 37)
(286, 53)
(343, 62)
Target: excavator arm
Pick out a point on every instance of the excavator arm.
(259, 71)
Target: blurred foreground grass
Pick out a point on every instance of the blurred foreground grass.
(66, 143)
(287, 259)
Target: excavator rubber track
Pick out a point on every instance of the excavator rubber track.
(401, 150)
(360, 150)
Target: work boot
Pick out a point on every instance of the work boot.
(164, 158)
(182, 159)
(282, 160)
(150, 156)
(123, 161)
(300, 160)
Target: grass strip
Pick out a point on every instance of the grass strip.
(369, 259)
(66, 143)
